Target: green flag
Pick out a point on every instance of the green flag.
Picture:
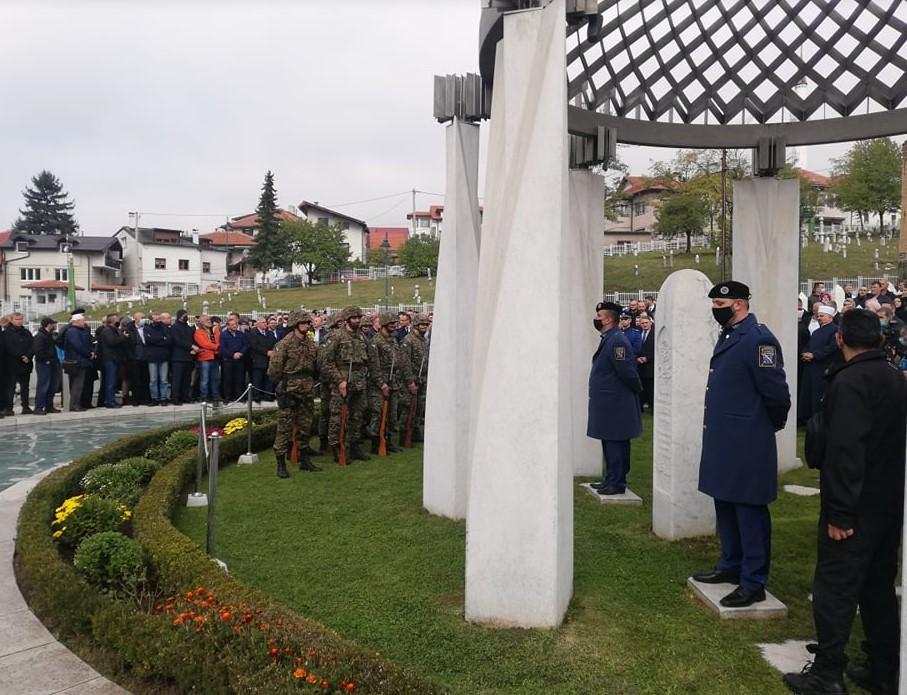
(71, 290)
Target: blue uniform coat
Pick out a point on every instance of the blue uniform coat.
(824, 348)
(614, 389)
(634, 335)
(746, 402)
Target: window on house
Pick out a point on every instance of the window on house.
(51, 298)
(42, 298)
(206, 267)
(61, 274)
(30, 274)
(423, 222)
(323, 221)
(344, 225)
(184, 264)
(160, 264)
(639, 208)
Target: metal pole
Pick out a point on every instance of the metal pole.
(248, 457)
(212, 491)
(196, 498)
(724, 243)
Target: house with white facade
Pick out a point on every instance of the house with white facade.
(34, 270)
(170, 262)
(635, 214)
(355, 232)
(426, 221)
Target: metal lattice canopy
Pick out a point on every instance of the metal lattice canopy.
(730, 73)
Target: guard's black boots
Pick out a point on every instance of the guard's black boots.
(357, 454)
(376, 442)
(815, 680)
(305, 463)
(282, 466)
(870, 681)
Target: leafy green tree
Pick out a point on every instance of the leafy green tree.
(270, 250)
(318, 248)
(375, 257)
(681, 213)
(868, 178)
(418, 254)
(47, 208)
(810, 195)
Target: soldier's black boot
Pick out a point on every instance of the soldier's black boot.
(376, 441)
(282, 471)
(864, 676)
(305, 463)
(816, 679)
(357, 453)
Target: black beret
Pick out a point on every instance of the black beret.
(609, 306)
(730, 290)
(47, 321)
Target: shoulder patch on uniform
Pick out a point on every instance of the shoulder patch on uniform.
(768, 356)
(620, 353)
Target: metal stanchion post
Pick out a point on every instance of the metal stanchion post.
(212, 490)
(196, 497)
(249, 457)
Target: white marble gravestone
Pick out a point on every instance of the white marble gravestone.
(838, 295)
(685, 335)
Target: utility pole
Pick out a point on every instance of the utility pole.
(414, 213)
(902, 240)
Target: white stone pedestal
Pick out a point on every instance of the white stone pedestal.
(685, 335)
(583, 253)
(519, 540)
(802, 490)
(446, 455)
(197, 499)
(628, 498)
(245, 459)
(767, 259)
(711, 594)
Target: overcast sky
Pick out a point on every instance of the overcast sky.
(181, 107)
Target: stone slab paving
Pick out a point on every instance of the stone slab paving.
(711, 594)
(802, 490)
(786, 657)
(628, 498)
(32, 662)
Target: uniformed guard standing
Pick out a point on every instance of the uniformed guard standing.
(746, 401)
(390, 371)
(614, 388)
(292, 370)
(346, 367)
(324, 411)
(416, 348)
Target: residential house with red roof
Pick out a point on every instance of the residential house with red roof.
(396, 237)
(355, 231)
(636, 212)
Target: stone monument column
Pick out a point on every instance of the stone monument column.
(587, 220)
(766, 255)
(685, 336)
(446, 454)
(519, 527)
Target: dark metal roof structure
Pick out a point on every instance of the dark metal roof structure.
(729, 73)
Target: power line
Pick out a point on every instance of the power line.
(367, 200)
(184, 214)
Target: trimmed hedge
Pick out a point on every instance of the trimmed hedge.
(148, 645)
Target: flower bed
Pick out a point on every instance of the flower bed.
(206, 631)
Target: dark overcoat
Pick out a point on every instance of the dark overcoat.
(614, 389)
(825, 352)
(746, 402)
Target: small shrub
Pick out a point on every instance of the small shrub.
(91, 515)
(111, 561)
(114, 481)
(172, 446)
(143, 468)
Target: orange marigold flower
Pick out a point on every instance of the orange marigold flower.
(274, 652)
(190, 596)
(199, 630)
(311, 653)
(177, 620)
(225, 616)
(200, 591)
(350, 687)
(236, 630)
(325, 684)
(287, 650)
(299, 673)
(312, 679)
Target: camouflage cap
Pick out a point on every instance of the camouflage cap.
(421, 319)
(349, 312)
(387, 317)
(333, 320)
(297, 317)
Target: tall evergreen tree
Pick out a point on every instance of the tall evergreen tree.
(270, 250)
(48, 209)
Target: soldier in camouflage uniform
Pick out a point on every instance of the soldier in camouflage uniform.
(415, 348)
(292, 370)
(389, 373)
(346, 368)
(324, 412)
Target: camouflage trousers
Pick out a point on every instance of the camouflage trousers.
(324, 414)
(297, 415)
(356, 400)
(375, 405)
(418, 419)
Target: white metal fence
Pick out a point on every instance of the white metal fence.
(637, 247)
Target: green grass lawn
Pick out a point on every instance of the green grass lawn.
(353, 549)
(814, 263)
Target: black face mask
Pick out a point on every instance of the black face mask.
(723, 314)
(598, 324)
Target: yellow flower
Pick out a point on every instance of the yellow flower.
(59, 533)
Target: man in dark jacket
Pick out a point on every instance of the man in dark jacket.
(46, 365)
(17, 341)
(646, 362)
(860, 451)
(820, 353)
(746, 401)
(77, 352)
(614, 389)
(157, 355)
(112, 346)
(261, 347)
(234, 344)
(182, 358)
(136, 366)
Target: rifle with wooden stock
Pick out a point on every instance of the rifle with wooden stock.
(382, 430)
(344, 416)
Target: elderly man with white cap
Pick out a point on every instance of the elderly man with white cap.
(820, 353)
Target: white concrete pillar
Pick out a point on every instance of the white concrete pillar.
(767, 258)
(584, 253)
(446, 454)
(519, 540)
(685, 336)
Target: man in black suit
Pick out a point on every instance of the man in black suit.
(261, 346)
(406, 325)
(182, 358)
(646, 362)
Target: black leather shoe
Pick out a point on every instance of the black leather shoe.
(716, 576)
(282, 471)
(812, 681)
(609, 490)
(742, 597)
(870, 682)
(600, 485)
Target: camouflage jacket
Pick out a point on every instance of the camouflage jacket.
(346, 359)
(292, 366)
(386, 356)
(415, 349)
